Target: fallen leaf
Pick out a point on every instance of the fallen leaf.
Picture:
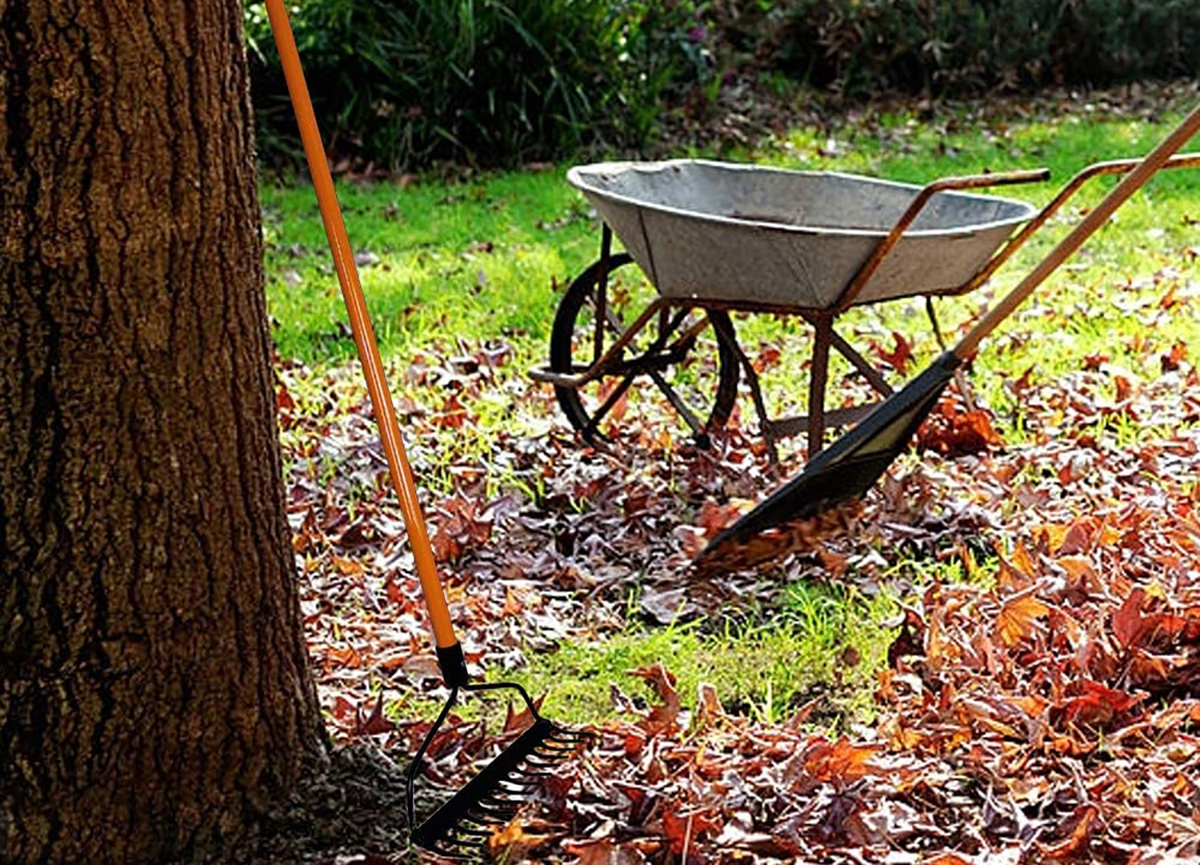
(1017, 619)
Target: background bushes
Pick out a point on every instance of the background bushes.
(404, 83)
(859, 47)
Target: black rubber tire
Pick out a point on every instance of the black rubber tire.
(562, 336)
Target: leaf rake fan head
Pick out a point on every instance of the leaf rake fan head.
(461, 826)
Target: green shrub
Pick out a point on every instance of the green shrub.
(861, 46)
(404, 83)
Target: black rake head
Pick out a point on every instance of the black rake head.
(848, 467)
(461, 827)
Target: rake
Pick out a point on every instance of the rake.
(851, 465)
(467, 820)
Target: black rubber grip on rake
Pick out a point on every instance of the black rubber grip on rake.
(441, 825)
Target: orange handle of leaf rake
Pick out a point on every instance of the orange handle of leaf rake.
(360, 324)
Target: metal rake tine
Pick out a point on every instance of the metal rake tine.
(559, 752)
(449, 854)
(467, 823)
(519, 788)
(558, 746)
(496, 804)
(493, 814)
(554, 758)
(549, 759)
(560, 730)
(495, 801)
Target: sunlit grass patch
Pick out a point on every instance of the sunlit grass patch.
(816, 653)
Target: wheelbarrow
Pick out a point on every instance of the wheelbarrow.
(714, 238)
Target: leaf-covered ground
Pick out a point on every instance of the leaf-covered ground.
(1034, 716)
(1029, 690)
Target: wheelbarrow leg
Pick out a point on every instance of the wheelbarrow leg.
(822, 338)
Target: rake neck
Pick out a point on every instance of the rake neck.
(1133, 181)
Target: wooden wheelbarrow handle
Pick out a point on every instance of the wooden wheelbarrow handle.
(1099, 169)
(1144, 169)
(946, 184)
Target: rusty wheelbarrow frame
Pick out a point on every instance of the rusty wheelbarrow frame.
(677, 330)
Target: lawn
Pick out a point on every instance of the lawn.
(566, 565)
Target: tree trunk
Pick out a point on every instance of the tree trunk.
(154, 687)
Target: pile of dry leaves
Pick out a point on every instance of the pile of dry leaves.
(1047, 709)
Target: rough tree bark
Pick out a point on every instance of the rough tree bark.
(154, 689)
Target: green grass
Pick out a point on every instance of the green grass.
(822, 645)
(473, 260)
(461, 264)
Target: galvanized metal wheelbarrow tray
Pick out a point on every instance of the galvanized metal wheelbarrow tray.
(717, 237)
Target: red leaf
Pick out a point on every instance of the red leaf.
(1127, 619)
(373, 723)
(767, 358)
(1172, 360)
(899, 357)
(1097, 706)
(953, 432)
(393, 591)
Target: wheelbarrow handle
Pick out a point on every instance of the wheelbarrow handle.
(946, 184)
(449, 652)
(1136, 177)
(1099, 169)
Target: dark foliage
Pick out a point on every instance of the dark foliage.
(948, 46)
(477, 81)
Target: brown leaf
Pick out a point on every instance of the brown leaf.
(841, 760)
(663, 717)
(1079, 835)
(375, 722)
(515, 722)
(513, 843)
(708, 705)
(664, 603)
(1018, 618)
(686, 829)
(604, 851)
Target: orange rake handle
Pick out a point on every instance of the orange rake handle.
(364, 336)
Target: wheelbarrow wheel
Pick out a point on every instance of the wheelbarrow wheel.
(682, 368)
